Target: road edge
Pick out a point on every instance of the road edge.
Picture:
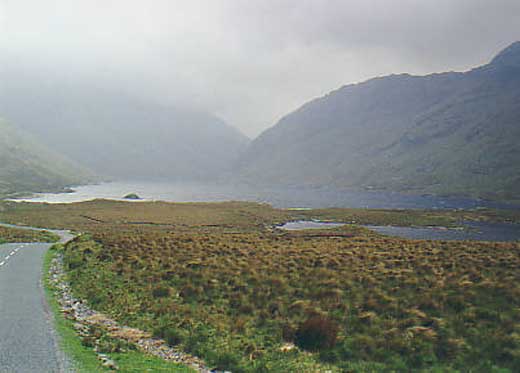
(78, 357)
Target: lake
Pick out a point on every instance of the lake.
(302, 198)
(285, 197)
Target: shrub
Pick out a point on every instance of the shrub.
(317, 333)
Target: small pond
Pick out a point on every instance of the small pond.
(308, 224)
(476, 231)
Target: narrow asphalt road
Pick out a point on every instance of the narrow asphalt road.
(28, 341)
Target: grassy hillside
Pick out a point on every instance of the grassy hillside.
(450, 133)
(216, 280)
(27, 166)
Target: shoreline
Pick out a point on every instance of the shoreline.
(281, 197)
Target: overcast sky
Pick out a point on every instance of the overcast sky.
(249, 61)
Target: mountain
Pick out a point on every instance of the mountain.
(120, 136)
(454, 133)
(28, 166)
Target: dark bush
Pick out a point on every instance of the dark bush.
(317, 333)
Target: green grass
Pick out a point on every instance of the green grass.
(84, 359)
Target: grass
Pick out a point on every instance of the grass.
(84, 359)
(219, 282)
(400, 303)
(8, 234)
(85, 216)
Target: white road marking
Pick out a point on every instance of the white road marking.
(10, 255)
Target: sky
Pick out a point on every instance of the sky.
(248, 61)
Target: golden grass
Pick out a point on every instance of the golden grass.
(231, 288)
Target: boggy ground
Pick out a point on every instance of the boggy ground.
(219, 281)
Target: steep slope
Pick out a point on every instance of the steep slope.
(450, 133)
(28, 166)
(119, 136)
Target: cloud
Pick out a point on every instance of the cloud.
(248, 61)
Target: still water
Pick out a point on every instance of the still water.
(279, 197)
(305, 224)
(474, 231)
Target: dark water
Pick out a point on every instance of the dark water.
(472, 231)
(278, 197)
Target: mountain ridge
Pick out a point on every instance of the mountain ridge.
(404, 133)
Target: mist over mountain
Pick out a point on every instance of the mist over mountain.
(28, 166)
(119, 136)
(449, 133)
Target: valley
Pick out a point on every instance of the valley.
(261, 186)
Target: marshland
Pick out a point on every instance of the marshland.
(221, 281)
